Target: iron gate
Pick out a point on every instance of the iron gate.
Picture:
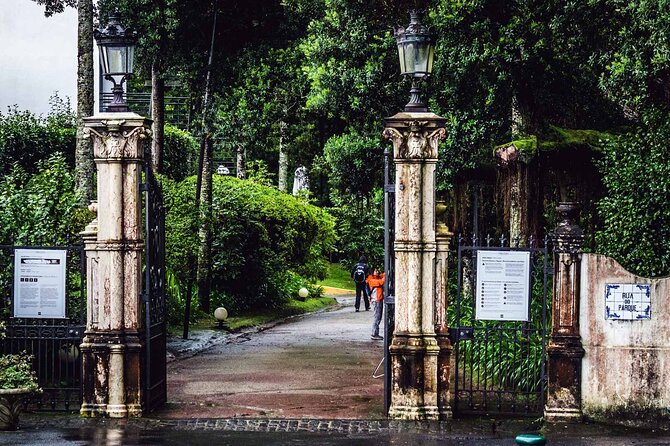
(499, 365)
(155, 321)
(53, 342)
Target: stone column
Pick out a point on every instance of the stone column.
(111, 346)
(442, 240)
(414, 350)
(565, 349)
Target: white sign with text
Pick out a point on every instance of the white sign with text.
(39, 283)
(503, 285)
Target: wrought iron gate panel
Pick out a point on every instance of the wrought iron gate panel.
(53, 342)
(499, 366)
(155, 321)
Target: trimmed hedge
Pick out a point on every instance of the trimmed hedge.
(265, 245)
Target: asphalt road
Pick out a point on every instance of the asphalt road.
(315, 366)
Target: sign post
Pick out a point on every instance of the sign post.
(503, 285)
(39, 283)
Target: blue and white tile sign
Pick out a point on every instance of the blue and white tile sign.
(627, 301)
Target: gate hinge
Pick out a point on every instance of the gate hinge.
(461, 334)
(145, 297)
(144, 187)
(389, 188)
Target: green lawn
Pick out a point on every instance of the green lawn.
(338, 277)
(293, 307)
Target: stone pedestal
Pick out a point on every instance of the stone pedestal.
(565, 351)
(414, 350)
(111, 346)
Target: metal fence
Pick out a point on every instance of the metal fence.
(53, 342)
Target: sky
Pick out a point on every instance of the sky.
(38, 54)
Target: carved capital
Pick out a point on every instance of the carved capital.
(415, 136)
(118, 144)
(419, 141)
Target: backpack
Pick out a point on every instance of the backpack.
(359, 274)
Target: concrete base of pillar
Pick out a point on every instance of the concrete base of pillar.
(414, 413)
(117, 410)
(562, 415)
(93, 410)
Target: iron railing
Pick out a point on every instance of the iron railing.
(52, 342)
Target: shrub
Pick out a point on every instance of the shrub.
(636, 208)
(42, 208)
(265, 244)
(180, 153)
(26, 138)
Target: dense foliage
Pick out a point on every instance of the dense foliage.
(41, 208)
(313, 80)
(180, 157)
(636, 208)
(26, 138)
(266, 244)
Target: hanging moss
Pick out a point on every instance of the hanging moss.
(556, 139)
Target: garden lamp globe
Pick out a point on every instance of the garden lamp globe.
(116, 45)
(416, 52)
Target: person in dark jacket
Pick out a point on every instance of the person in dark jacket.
(359, 273)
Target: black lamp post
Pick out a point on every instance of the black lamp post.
(416, 52)
(117, 48)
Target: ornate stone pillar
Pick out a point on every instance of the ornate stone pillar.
(442, 240)
(414, 349)
(111, 346)
(565, 349)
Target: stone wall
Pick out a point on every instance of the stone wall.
(626, 366)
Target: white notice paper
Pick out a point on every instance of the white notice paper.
(39, 283)
(503, 285)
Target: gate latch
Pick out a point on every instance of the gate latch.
(461, 334)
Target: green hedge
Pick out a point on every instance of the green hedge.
(636, 208)
(266, 244)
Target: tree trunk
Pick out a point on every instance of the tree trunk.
(205, 232)
(84, 166)
(283, 158)
(158, 116)
(241, 162)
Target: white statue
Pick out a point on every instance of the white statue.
(300, 180)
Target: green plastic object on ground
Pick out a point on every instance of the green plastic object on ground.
(530, 439)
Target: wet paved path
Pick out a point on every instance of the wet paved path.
(314, 366)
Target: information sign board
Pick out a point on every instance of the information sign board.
(39, 283)
(503, 285)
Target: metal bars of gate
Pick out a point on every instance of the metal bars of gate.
(389, 257)
(500, 366)
(153, 297)
(52, 342)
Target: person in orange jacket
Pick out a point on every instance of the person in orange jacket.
(376, 283)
